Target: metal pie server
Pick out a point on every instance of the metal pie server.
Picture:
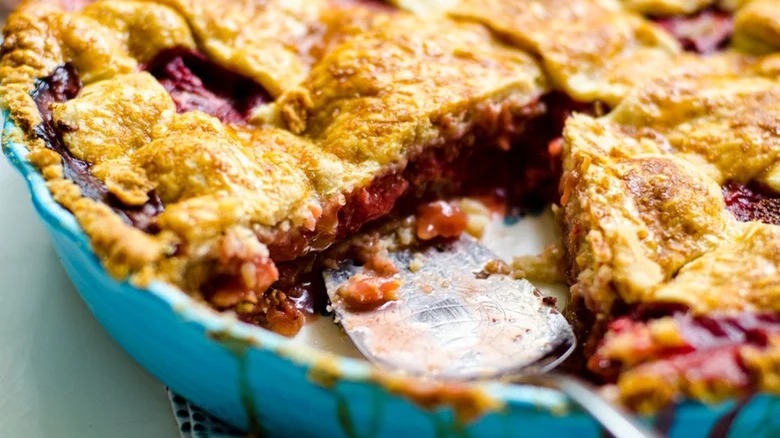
(451, 320)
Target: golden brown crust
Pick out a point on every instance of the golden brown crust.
(593, 50)
(458, 72)
(143, 29)
(365, 96)
(667, 7)
(215, 178)
(262, 40)
(757, 27)
(647, 225)
(40, 37)
(643, 183)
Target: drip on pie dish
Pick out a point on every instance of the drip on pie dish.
(223, 147)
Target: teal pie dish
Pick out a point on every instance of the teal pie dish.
(256, 379)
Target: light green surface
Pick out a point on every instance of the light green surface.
(61, 375)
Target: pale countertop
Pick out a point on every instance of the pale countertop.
(61, 375)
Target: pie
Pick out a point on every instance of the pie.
(223, 147)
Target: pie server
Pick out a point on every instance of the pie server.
(450, 320)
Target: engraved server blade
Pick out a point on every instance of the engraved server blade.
(449, 322)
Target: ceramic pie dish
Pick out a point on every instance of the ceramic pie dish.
(219, 154)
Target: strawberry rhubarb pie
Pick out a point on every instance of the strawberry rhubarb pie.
(226, 147)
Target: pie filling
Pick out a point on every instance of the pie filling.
(752, 203)
(704, 32)
(680, 340)
(704, 356)
(195, 83)
(514, 157)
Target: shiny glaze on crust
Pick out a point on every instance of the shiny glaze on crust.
(64, 84)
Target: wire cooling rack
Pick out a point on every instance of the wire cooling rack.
(195, 423)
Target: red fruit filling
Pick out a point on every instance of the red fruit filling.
(440, 219)
(371, 202)
(709, 348)
(75, 5)
(196, 83)
(722, 365)
(704, 32)
(364, 292)
(752, 203)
